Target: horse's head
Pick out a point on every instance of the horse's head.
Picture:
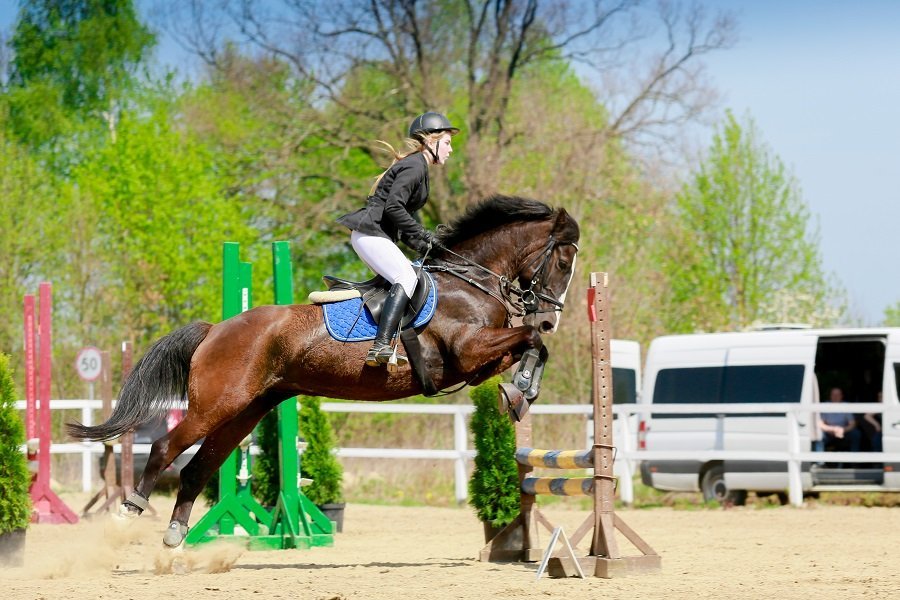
(520, 239)
(547, 273)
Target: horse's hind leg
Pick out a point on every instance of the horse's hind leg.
(162, 452)
(212, 453)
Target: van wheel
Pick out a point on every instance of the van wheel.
(713, 487)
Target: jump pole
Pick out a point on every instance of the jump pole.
(518, 541)
(236, 506)
(48, 507)
(295, 521)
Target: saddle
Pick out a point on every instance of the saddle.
(374, 292)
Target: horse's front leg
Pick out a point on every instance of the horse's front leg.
(504, 345)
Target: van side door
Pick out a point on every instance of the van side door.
(779, 372)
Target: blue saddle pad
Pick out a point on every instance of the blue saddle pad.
(350, 321)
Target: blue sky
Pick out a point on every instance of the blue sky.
(821, 79)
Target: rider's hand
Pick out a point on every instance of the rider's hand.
(418, 244)
(423, 242)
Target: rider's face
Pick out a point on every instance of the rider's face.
(444, 148)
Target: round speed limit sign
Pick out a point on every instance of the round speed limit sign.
(88, 363)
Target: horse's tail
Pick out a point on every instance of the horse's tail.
(158, 380)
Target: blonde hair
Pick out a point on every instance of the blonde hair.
(413, 145)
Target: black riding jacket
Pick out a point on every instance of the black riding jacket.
(389, 211)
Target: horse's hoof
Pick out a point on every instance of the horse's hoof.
(126, 515)
(175, 534)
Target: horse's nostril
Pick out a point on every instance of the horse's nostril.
(546, 326)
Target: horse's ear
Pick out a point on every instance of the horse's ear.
(562, 221)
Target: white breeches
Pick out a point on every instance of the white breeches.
(386, 259)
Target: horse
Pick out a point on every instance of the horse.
(234, 372)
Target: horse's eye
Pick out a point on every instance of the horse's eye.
(563, 264)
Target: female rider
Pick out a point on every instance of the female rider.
(388, 217)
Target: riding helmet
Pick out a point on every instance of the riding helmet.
(431, 122)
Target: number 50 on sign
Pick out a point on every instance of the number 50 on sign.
(88, 363)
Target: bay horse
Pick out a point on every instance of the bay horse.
(234, 372)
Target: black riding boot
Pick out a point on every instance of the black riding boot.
(394, 307)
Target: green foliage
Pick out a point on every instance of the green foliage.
(318, 461)
(265, 482)
(87, 49)
(744, 249)
(166, 216)
(494, 485)
(15, 504)
(29, 240)
(892, 316)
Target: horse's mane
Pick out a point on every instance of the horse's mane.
(490, 213)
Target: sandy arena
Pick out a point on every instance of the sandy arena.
(394, 553)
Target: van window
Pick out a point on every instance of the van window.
(695, 385)
(738, 384)
(763, 383)
(624, 386)
(897, 377)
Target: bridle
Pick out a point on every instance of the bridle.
(518, 301)
(531, 299)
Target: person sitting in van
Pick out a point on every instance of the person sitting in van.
(873, 420)
(839, 431)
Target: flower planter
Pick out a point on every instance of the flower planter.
(12, 548)
(334, 512)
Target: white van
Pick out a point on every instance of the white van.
(780, 366)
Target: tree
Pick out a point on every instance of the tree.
(465, 57)
(31, 233)
(892, 315)
(86, 50)
(743, 247)
(166, 213)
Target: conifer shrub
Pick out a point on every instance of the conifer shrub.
(265, 482)
(15, 504)
(318, 461)
(494, 485)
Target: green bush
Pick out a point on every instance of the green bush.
(15, 504)
(265, 482)
(494, 486)
(318, 461)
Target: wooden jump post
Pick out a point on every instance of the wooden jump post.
(114, 484)
(518, 542)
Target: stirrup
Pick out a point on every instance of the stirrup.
(372, 356)
(389, 356)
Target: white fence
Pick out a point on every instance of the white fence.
(627, 455)
(461, 454)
